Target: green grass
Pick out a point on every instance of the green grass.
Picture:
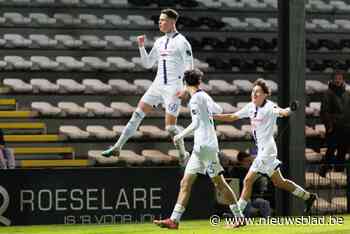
(186, 227)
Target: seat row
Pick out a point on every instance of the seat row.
(87, 63)
(122, 86)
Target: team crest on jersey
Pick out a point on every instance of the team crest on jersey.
(188, 52)
(194, 112)
(173, 107)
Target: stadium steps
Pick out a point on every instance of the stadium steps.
(24, 127)
(34, 138)
(43, 150)
(18, 114)
(8, 104)
(54, 163)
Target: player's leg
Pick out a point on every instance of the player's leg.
(3, 164)
(130, 129)
(172, 109)
(229, 196)
(151, 98)
(280, 182)
(247, 188)
(9, 155)
(173, 129)
(194, 166)
(181, 203)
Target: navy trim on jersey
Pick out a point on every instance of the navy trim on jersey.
(176, 34)
(166, 43)
(164, 71)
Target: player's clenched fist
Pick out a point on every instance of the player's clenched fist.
(141, 40)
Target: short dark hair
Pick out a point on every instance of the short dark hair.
(170, 13)
(193, 77)
(262, 83)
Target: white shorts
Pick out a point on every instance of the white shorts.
(204, 162)
(265, 165)
(164, 94)
(266, 161)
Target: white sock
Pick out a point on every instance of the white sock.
(177, 213)
(242, 204)
(300, 192)
(237, 212)
(130, 128)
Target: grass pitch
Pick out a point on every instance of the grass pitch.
(186, 227)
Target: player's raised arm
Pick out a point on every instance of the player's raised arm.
(148, 60)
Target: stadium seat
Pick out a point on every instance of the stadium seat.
(116, 20)
(155, 157)
(229, 157)
(42, 41)
(91, 20)
(71, 108)
(94, 63)
(17, 62)
(70, 86)
(43, 85)
(119, 63)
(69, 63)
(118, 129)
(66, 19)
(41, 19)
(67, 41)
(230, 132)
(43, 63)
(153, 132)
(124, 108)
(123, 87)
(313, 180)
(117, 42)
(96, 86)
(73, 132)
(312, 156)
(227, 107)
(14, 18)
(222, 87)
(99, 109)
(100, 132)
(142, 85)
(244, 86)
(17, 85)
(311, 132)
(45, 108)
(92, 41)
(16, 40)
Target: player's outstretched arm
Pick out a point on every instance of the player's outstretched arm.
(187, 131)
(226, 117)
(287, 111)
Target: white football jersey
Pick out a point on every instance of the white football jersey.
(174, 56)
(202, 108)
(262, 120)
